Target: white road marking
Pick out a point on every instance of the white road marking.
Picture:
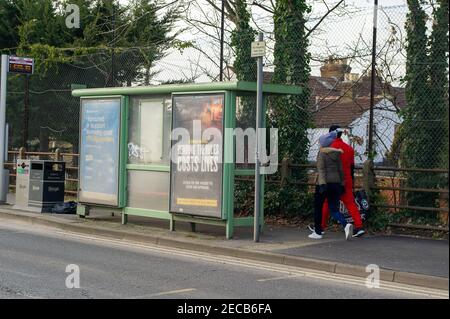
(283, 269)
(172, 292)
(18, 273)
(280, 278)
(29, 296)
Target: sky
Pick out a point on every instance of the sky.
(339, 36)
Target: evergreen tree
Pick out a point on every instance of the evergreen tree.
(424, 129)
(244, 65)
(290, 113)
(9, 19)
(416, 83)
(439, 84)
(241, 39)
(152, 31)
(63, 56)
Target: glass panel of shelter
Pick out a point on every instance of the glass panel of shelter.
(149, 144)
(149, 130)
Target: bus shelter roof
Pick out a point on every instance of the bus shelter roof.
(239, 86)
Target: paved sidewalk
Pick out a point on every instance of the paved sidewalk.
(423, 262)
(422, 256)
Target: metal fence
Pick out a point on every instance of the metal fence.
(388, 181)
(409, 122)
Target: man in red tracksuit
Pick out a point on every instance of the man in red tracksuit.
(348, 165)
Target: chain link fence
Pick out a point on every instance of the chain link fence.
(327, 50)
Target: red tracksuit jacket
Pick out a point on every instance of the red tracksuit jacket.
(348, 160)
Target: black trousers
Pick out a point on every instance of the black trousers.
(332, 194)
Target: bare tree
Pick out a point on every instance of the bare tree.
(203, 20)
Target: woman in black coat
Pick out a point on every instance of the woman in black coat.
(330, 185)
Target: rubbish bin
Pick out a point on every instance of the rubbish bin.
(46, 185)
(22, 183)
(4, 192)
(39, 184)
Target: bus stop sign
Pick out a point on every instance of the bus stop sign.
(258, 49)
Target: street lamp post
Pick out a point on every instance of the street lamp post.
(3, 84)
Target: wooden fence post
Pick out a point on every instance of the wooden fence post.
(57, 154)
(368, 177)
(22, 152)
(285, 170)
(443, 203)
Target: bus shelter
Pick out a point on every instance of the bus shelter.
(141, 152)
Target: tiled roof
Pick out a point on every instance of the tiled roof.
(341, 111)
(342, 108)
(337, 102)
(341, 102)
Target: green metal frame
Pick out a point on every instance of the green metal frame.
(151, 213)
(228, 168)
(149, 167)
(123, 176)
(231, 90)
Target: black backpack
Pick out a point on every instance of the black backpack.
(65, 208)
(362, 202)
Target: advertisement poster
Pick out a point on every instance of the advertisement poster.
(196, 166)
(99, 151)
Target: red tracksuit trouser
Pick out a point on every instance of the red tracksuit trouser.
(349, 201)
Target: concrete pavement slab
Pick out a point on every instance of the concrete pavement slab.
(423, 256)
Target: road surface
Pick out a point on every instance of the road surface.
(34, 261)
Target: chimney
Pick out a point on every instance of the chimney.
(368, 78)
(337, 68)
(317, 102)
(351, 77)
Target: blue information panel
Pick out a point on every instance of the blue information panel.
(99, 151)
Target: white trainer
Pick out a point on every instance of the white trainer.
(348, 231)
(315, 236)
(312, 229)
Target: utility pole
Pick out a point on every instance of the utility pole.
(26, 111)
(372, 83)
(113, 53)
(222, 35)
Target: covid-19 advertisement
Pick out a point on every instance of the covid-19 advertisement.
(197, 155)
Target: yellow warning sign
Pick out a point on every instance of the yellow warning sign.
(197, 202)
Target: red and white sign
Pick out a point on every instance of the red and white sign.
(21, 65)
